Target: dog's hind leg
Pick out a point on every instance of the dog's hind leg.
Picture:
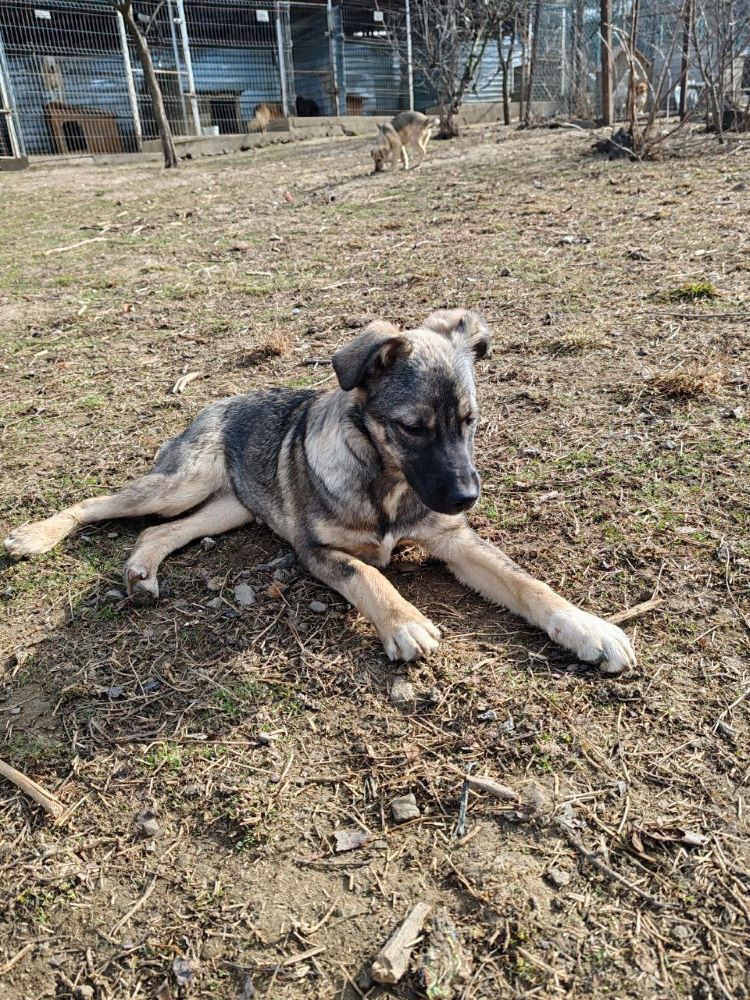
(155, 493)
(223, 513)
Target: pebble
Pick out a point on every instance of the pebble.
(558, 877)
(116, 595)
(318, 607)
(208, 543)
(214, 603)
(489, 716)
(405, 808)
(148, 823)
(402, 692)
(244, 595)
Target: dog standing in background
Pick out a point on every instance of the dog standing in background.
(345, 475)
(408, 128)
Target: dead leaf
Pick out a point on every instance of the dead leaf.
(350, 840)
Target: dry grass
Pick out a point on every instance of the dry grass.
(206, 755)
(689, 381)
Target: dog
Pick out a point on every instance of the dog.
(345, 475)
(407, 128)
(263, 115)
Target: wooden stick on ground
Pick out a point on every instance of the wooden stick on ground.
(392, 961)
(629, 614)
(43, 798)
(7, 966)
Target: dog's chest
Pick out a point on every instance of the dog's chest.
(373, 549)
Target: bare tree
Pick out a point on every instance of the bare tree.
(125, 8)
(720, 36)
(450, 37)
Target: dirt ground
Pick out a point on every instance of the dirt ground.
(206, 754)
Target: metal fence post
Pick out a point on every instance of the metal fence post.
(606, 34)
(332, 56)
(192, 96)
(132, 97)
(282, 62)
(8, 107)
(409, 60)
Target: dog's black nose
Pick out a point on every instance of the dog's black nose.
(461, 499)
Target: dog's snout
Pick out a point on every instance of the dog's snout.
(462, 499)
(463, 492)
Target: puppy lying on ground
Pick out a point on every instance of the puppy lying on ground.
(344, 476)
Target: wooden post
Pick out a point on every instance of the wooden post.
(606, 33)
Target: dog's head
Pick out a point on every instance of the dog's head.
(417, 397)
(380, 150)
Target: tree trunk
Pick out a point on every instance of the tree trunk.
(606, 33)
(149, 74)
(506, 68)
(532, 62)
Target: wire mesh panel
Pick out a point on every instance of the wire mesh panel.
(66, 68)
(239, 52)
(373, 46)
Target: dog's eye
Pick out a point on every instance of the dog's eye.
(411, 428)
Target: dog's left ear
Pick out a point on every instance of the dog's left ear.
(462, 323)
(369, 355)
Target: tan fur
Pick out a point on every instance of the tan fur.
(409, 128)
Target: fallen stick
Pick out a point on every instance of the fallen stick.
(7, 966)
(392, 961)
(629, 614)
(43, 798)
(74, 246)
(302, 956)
(596, 861)
(481, 784)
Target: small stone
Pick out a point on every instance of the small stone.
(215, 603)
(402, 693)
(244, 595)
(84, 992)
(508, 726)
(116, 595)
(208, 543)
(489, 716)
(111, 534)
(669, 444)
(738, 412)
(405, 808)
(215, 583)
(318, 607)
(504, 272)
(147, 823)
(558, 878)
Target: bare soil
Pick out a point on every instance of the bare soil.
(614, 450)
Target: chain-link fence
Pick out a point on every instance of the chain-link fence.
(70, 81)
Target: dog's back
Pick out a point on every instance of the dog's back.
(412, 125)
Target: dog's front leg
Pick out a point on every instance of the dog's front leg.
(405, 633)
(489, 571)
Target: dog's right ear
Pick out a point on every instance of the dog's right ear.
(369, 354)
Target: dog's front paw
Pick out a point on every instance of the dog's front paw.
(142, 583)
(31, 540)
(409, 639)
(592, 640)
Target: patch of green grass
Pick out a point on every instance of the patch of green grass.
(93, 402)
(165, 755)
(693, 291)
(25, 749)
